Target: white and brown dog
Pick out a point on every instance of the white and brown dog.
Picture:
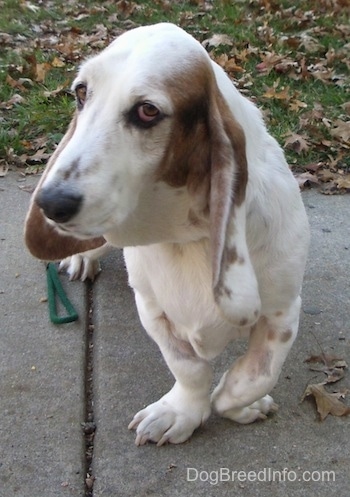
(167, 160)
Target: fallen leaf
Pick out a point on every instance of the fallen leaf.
(296, 105)
(14, 100)
(3, 170)
(277, 95)
(329, 360)
(304, 179)
(334, 367)
(61, 89)
(313, 166)
(57, 62)
(15, 84)
(344, 182)
(326, 403)
(297, 143)
(341, 131)
(41, 70)
(229, 64)
(217, 40)
(269, 61)
(346, 107)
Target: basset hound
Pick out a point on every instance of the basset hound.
(167, 160)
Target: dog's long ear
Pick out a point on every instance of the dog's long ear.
(42, 240)
(234, 282)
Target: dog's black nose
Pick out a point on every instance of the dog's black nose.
(59, 204)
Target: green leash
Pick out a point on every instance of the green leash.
(54, 287)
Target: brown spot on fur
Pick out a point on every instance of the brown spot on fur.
(193, 218)
(227, 291)
(278, 314)
(72, 170)
(264, 363)
(230, 256)
(180, 347)
(178, 249)
(286, 336)
(271, 334)
(243, 322)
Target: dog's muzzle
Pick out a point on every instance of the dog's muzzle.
(59, 204)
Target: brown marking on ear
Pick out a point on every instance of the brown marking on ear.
(186, 161)
(228, 181)
(42, 240)
(206, 154)
(237, 137)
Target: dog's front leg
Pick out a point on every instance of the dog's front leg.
(186, 406)
(242, 394)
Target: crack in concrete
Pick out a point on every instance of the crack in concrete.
(89, 426)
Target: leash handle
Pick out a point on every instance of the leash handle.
(54, 287)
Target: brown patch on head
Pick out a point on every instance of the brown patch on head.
(286, 336)
(278, 314)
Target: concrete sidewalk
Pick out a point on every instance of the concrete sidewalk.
(43, 373)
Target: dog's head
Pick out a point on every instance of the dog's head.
(149, 117)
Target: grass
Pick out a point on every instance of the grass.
(61, 34)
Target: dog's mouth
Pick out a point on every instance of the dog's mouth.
(76, 230)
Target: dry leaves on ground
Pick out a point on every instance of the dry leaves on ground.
(327, 402)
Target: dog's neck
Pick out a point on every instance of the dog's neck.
(163, 215)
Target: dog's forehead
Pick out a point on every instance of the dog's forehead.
(157, 51)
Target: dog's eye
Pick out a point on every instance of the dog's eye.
(147, 112)
(144, 115)
(81, 94)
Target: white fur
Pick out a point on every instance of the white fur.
(169, 259)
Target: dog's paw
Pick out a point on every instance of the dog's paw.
(168, 421)
(80, 266)
(258, 410)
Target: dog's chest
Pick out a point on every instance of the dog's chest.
(179, 278)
